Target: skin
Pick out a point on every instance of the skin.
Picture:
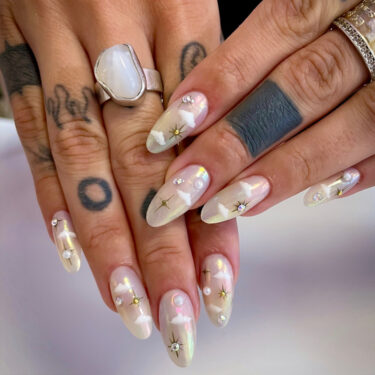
(98, 154)
(257, 130)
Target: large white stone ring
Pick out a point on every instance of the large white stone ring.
(120, 76)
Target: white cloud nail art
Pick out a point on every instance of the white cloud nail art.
(121, 288)
(223, 210)
(181, 319)
(177, 122)
(186, 197)
(222, 275)
(143, 319)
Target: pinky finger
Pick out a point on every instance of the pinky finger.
(343, 184)
(26, 98)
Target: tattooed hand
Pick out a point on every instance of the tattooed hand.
(252, 103)
(91, 166)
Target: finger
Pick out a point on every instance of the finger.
(339, 141)
(183, 40)
(165, 256)
(216, 254)
(297, 93)
(21, 75)
(278, 29)
(79, 147)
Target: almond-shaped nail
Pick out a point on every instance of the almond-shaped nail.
(217, 287)
(177, 326)
(130, 299)
(177, 195)
(332, 188)
(67, 244)
(235, 199)
(177, 122)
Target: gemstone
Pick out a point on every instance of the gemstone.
(317, 197)
(117, 70)
(188, 99)
(54, 222)
(221, 319)
(67, 254)
(118, 301)
(347, 177)
(241, 208)
(206, 290)
(178, 181)
(175, 347)
(178, 300)
(198, 184)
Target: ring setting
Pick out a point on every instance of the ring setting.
(121, 78)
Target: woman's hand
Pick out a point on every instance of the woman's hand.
(87, 164)
(293, 73)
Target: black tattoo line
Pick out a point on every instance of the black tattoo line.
(19, 68)
(149, 197)
(42, 156)
(264, 117)
(192, 54)
(63, 101)
(88, 202)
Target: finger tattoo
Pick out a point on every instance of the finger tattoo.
(192, 54)
(94, 193)
(264, 117)
(150, 195)
(42, 155)
(62, 102)
(19, 68)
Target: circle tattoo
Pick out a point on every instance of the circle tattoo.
(90, 203)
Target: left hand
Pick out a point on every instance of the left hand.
(293, 73)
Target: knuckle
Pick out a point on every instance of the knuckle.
(234, 68)
(161, 254)
(103, 233)
(297, 19)
(28, 116)
(317, 72)
(78, 144)
(299, 166)
(226, 139)
(367, 100)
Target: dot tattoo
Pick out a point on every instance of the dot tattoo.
(87, 201)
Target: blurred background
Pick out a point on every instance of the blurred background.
(304, 304)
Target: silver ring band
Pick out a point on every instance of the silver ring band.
(121, 78)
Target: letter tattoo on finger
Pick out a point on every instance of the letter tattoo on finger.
(94, 193)
(192, 54)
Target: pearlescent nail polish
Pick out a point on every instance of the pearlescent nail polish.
(332, 188)
(235, 199)
(217, 287)
(67, 244)
(177, 326)
(177, 195)
(131, 301)
(177, 122)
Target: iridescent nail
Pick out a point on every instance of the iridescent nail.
(177, 326)
(217, 287)
(131, 301)
(177, 195)
(177, 122)
(332, 188)
(67, 244)
(235, 199)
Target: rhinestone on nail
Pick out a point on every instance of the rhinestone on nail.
(187, 99)
(54, 222)
(241, 208)
(347, 177)
(175, 347)
(118, 301)
(206, 290)
(221, 319)
(198, 184)
(317, 197)
(67, 254)
(178, 300)
(178, 181)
